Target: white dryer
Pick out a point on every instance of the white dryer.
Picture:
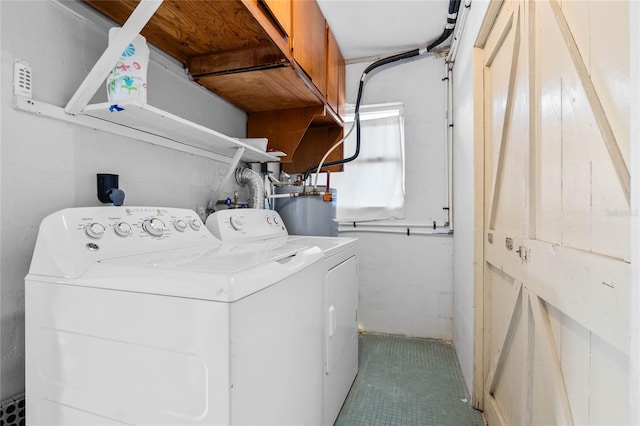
(140, 316)
(340, 275)
(341, 318)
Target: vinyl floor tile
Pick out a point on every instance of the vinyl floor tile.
(407, 382)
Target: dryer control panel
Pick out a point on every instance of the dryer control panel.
(71, 239)
(246, 224)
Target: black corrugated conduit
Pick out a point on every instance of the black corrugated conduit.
(454, 6)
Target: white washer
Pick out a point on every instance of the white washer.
(140, 316)
(340, 274)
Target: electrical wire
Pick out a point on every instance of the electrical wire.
(384, 61)
(337, 144)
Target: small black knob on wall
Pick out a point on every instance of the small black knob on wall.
(105, 183)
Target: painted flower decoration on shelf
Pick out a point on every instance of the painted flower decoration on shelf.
(129, 84)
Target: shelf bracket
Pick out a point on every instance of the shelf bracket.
(232, 168)
(136, 22)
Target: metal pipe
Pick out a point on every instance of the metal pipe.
(256, 187)
(455, 43)
(449, 143)
(389, 225)
(297, 194)
(449, 63)
(406, 231)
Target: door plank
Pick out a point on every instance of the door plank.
(506, 127)
(500, 356)
(546, 343)
(600, 115)
(591, 289)
(493, 414)
(534, 122)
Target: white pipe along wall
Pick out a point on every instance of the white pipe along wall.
(48, 165)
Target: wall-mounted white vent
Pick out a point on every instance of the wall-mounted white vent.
(22, 79)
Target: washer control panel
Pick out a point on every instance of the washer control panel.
(137, 222)
(72, 239)
(246, 224)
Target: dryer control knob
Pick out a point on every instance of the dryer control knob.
(180, 225)
(236, 223)
(94, 230)
(153, 227)
(122, 229)
(275, 220)
(195, 224)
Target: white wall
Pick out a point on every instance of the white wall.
(405, 281)
(48, 165)
(463, 197)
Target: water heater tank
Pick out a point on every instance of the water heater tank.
(307, 214)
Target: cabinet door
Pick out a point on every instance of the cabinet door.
(309, 41)
(281, 11)
(335, 74)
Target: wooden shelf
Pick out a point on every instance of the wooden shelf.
(136, 115)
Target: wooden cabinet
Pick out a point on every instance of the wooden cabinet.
(281, 12)
(335, 74)
(305, 134)
(273, 59)
(308, 44)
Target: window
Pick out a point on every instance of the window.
(372, 186)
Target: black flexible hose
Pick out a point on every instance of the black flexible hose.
(454, 6)
(384, 61)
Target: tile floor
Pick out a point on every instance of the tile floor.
(408, 382)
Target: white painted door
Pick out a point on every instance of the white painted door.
(555, 78)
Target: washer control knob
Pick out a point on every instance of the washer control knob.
(195, 224)
(122, 229)
(94, 230)
(269, 220)
(153, 227)
(236, 223)
(180, 225)
(275, 220)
